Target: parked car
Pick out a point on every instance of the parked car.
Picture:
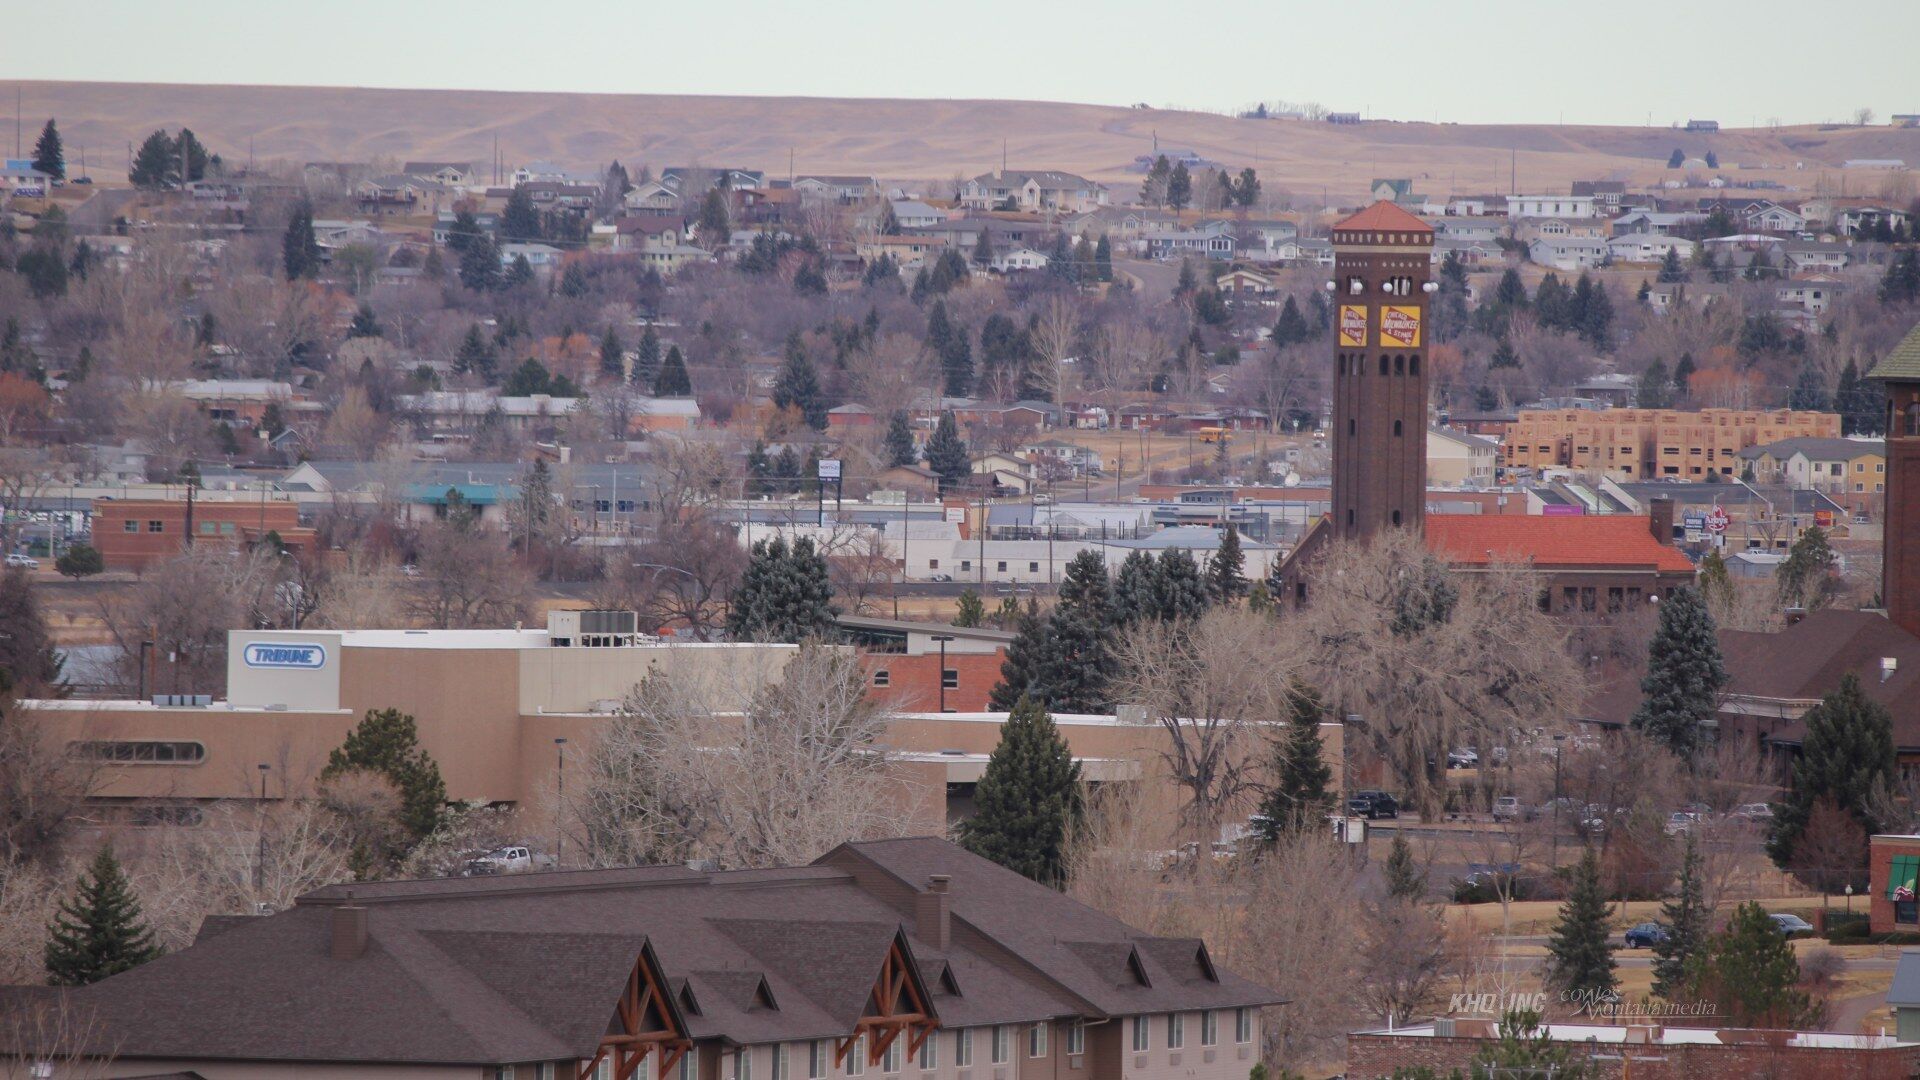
(512, 859)
(1464, 758)
(1680, 822)
(1754, 811)
(1646, 935)
(1373, 804)
(25, 562)
(1510, 808)
(1791, 924)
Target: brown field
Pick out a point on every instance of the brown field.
(894, 139)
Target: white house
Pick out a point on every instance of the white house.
(1556, 206)
(1040, 190)
(1648, 247)
(1020, 258)
(1568, 253)
(914, 214)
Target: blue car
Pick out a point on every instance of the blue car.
(1646, 935)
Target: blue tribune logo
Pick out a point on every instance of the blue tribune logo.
(278, 654)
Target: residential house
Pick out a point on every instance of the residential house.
(19, 178)
(1015, 260)
(398, 193)
(1082, 460)
(1852, 472)
(1607, 195)
(1551, 206)
(1006, 471)
(1817, 257)
(1568, 253)
(1213, 239)
(1771, 217)
(1661, 222)
(914, 214)
(1477, 206)
(1034, 191)
(448, 173)
(1242, 283)
(1813, 295)
(910, 251)
(1480, 229)
(683, 179)
(543, 258)
(845, 190)
(652, 197)
(1648, 247)
(443, 413)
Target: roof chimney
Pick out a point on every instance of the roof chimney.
(932, 922)
(348, 930)
(1888, 665)
(1660, 520)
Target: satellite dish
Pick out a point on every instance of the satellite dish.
(1292, 480)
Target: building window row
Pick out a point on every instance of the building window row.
(140, 751)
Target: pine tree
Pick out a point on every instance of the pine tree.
(1716, 582)
(1672, 271)
(1846, 753)
(784, 594)
(365, 323)
(1688, 921)
(1676, 159)
(613, 357)
(1179, 591)
(1079, 661)
(480, 265)
(1224, 580)
(299, 251)
(519, 221)
(1750, 973)
(1291, 328)
(155, 165)
(99, 930)
(1405, 880)
(1023, 672)
(715, 231)
(1594, 310)
(1103, 258)
(1579, 957)
(1503, 355)
(573, 281)
(672, 380)
(972, 612)
(1806, 576)
(900, 445)
(1681, 689)
(1028, 800)
(798, 385)
(519, 272)
(1656, 386)
(28, 660)
(646, 361)
(386, 742)
(475, 355)
(983, 247)
(947, 454)
(1135, 588)
(1179, 188)
(1298, 797)
(48, 155)
(1683, 375)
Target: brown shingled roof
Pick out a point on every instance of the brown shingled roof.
(1383, 216)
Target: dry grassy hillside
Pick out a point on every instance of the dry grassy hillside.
(898, 139)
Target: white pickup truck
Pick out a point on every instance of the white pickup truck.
(512, 859)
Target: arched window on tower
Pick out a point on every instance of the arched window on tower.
(1399, 365)
(1413, 364)
(1383, 363)
(1396, 429)
(1396, 517)
(1913, 418)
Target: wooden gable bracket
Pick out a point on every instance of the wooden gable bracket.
(897, 1006)
(645, 1019)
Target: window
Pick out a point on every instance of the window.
(156, 526)
(1003, 566)
(503, 1072)
(1209, 1028)
(966, 565)
(962, 1048)
(207, 528)
(1396, 429)
(743, 1064)
(603, 1069)
(130, 525)
(883, 677)
(1076, 1038)
(1351, 427)
(1176, 1030)
(1037, 1041)
(1396, 517)
(141, 752)
(1383, 363)
(544, 1070)
(1033, 568)
(1002, 1044)
(1243, 1025)
(857, 1057)
(890, 1059)
(933, 564)
(929, 1057)
(950, 678)
(817, 1057)
(779, 1070)
(1413, 364)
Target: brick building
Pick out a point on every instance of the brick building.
(1645, 1051)
(132, 533)
(904, 662)
(1899, 372)
(1893, 890)
(1650, 444)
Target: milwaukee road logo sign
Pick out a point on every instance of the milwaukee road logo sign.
(1353, 325)
(1400, 327)
(285, 654)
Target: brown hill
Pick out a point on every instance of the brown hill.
(906, 139)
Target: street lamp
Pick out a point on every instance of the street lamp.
(559, 799)
(943, 639)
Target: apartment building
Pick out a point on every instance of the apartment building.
(1653, 444)
(133, 533)
(904, 959)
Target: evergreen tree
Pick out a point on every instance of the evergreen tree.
(1683, 375)
(530, 378)
(28, 659)
(1405, 880)
(613, 357)
(299, 251)
(1688, 921)
(186, 147)
(386, 743)
(519, 222)
(1806, 578)
(1449, 310)
(881, 271)
(1135, 587)
(1022, 673)
(1681, 689)
(947, 454)
(480, 265)
(1656, 386)
(1511, 294)
(1224, 580)
(1103, 258)
(1713, 161)
(1187, 283)
(672, 380)
(900, 446)
(715, 229)
(1716, 582)
(1299, 797)
(1594, 311)
(475, 355)
(646, 361)
(983, 247)
(1671, 270)
(1525, 1049)
(810, 279)
(99, 930)
(154, 165)
(463, 232)
(519, 272)
(1291, 328)
(1750, 973)
(1901, 282)
(972, 611)
(1676, 159)
(1078, 663)
(1028, 800)
(365, 323)
(1809, 389)
(573, 281)
(784, 594)
(1179, 591)
(1503, 355)
(798, 385)
(1179, 188)
(80, 560)
(48, 155)
(1153, 190)
(1862, 404)
(1579, 957)
(1552, 305)
(1846, 753)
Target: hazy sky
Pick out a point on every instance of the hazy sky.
(1476, 61)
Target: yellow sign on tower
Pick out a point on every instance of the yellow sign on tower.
(1353, 326)
(1400, 327)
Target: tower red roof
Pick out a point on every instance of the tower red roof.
(1383, 216)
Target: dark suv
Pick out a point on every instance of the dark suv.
(1373, 804)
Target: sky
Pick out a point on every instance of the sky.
(1466, 61)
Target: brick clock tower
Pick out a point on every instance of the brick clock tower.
(1900, 581)
(1382, 257)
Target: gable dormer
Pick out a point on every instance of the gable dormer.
(1204, 961)
(647, 1019)
(1137, 967)
(763, 996)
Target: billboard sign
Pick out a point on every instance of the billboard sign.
(829, 468)
(1399, 327)
(1353, 326)
(301, 656)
